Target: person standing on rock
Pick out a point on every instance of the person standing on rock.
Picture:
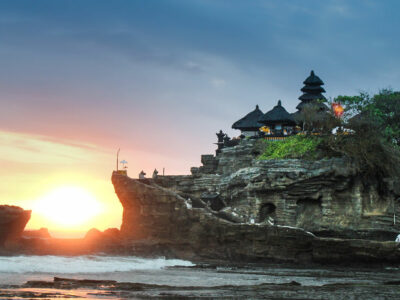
(142, 175)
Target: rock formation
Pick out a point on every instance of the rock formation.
(329, 197)
(42, 233)
(237, 207)
(13, 220)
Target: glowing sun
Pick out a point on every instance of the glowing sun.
(68, 206)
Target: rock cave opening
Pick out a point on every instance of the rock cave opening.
(267, 210)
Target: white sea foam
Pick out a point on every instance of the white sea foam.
(84, 264)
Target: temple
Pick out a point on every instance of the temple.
(277, 122)
(312, 93)
(249, 125)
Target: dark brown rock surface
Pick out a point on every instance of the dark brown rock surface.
(13, 220)
(109, 289)
(160, 220)
(42, 233)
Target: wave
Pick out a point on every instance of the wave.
(84, 264)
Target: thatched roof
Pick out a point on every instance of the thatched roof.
(313, 80)
(277, 115)
(312, 91)
(316, 104)
(250, 121)
(311, 97)
(315, 89)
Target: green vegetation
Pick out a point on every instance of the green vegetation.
(375, 121)
(381, 111)
(369, 135)
(297, 146)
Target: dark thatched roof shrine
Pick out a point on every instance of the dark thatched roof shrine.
(313, 80)
(318, 105)
(250, 121)
(277, 115)
(312, 92)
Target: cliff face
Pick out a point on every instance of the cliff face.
(165, 220)
(13, 220)
(328, 197)
(235, 206)
(161, 222)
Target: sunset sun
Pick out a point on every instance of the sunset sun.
(68, 206)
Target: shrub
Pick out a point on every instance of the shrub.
(382, 109)
(373, 154)
(292, 147)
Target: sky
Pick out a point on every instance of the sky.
(158, 79)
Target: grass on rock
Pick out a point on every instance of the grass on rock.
(297, 146)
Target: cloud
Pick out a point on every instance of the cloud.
(34, 149)
(218, 82)
(339, 8)
(194, 67)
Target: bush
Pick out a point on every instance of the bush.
(372, 153)
(382, 109)
(296, 146)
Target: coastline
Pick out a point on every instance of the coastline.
(283, 281)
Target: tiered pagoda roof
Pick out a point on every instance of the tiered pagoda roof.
(250, 121)
(277, 115)
(312, 91)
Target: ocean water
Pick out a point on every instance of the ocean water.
(17, 270)
(84, 264)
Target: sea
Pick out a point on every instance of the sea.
(180, 279)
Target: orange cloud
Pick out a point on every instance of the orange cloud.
(34, 165)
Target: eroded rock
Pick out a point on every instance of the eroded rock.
(156, 219)
(13, 220)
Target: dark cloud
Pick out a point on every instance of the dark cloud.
(181, 62)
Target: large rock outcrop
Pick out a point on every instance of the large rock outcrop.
(330, 197)
(238, 207)
(161, 218)
(160, 221)
(13, 220)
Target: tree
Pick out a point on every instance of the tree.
(375, 121)
(381, 110)
(315, 118)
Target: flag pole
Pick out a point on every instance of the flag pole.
(117, 157)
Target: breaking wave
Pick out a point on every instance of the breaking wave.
(84, 264)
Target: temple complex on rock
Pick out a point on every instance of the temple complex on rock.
(238, 206)
(278, 123)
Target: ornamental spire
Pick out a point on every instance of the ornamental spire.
(312, 92)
